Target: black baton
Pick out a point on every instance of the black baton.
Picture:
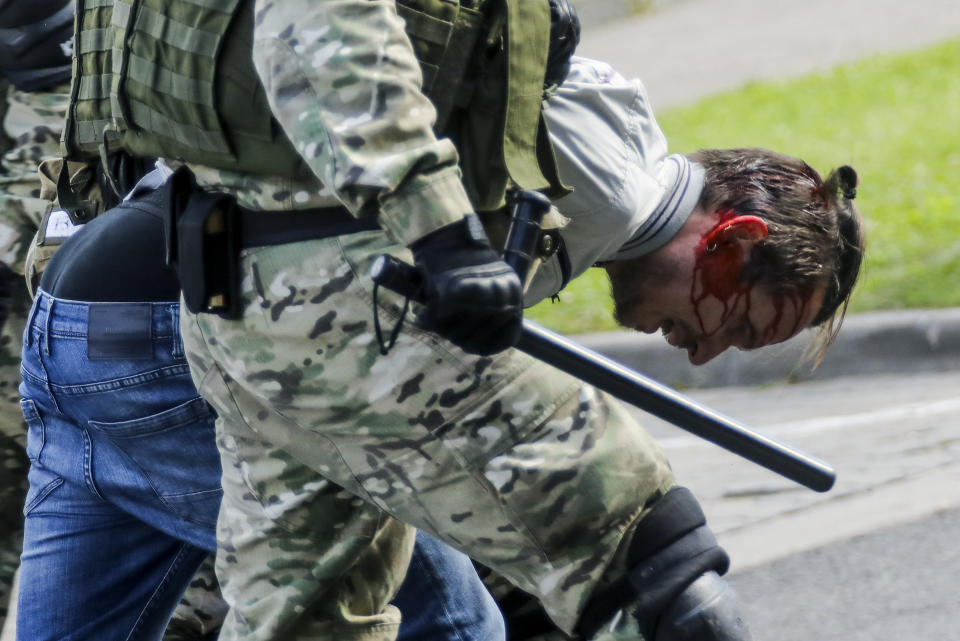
(528, 209)
(640, 391)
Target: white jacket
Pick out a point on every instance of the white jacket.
(629, 196)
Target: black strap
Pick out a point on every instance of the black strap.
(79, 211)
(671, 518)
(261, 228)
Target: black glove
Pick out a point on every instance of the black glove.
(473, 298)
(564, 38)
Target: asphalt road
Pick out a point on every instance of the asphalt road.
(874, 558)
(896, 584)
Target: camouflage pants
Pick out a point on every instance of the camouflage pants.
(33, 122)
(202, 609)
(13, 477)
(526, 469)
(13, 458)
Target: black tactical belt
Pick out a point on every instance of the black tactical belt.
(210, 230)
(261, 228)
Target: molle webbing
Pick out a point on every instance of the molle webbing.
(192, 84)
(164, 78)
(156, 78)
(483, 64)
(444, 36)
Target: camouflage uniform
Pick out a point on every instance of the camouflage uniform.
(529, 471)
(33, 122)
(201, 610)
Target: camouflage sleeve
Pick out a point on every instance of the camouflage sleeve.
(343, 82)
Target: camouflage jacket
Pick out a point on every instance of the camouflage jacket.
(344, 84)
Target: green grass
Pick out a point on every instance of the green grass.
(896, 119)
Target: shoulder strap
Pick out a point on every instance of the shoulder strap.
(528, 41)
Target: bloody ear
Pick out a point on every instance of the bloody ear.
(738, 228)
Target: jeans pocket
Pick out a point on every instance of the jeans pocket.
(176, 453)
(36, 432)
(42, 484)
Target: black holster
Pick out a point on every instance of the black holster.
(202, 244)
(206, 231)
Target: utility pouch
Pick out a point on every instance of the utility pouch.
(74, 195)
(207, 249)
(67, 211)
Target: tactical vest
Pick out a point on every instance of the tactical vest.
(483, 65)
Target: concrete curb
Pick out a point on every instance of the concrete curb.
(873, 343)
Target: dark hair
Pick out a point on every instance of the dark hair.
(815, 236)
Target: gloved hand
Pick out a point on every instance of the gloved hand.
(473, 298)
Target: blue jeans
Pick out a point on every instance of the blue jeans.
(443, 598)
(125, 486)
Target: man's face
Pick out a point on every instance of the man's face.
(696, 299)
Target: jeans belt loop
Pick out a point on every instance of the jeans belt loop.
(47, 325)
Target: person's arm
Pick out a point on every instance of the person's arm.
(343, 82)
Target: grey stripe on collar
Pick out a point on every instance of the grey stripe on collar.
(685, 180)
